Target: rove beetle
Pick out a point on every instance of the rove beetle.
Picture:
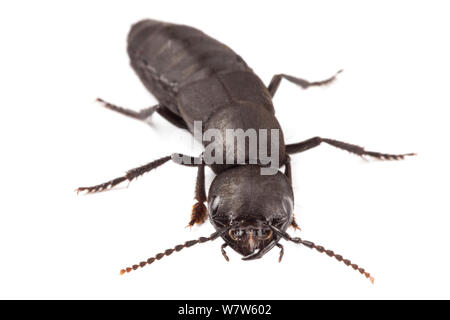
(196, 78)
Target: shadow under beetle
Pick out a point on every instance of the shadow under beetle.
(197, 78)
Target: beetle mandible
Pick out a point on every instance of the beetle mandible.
(196, 78)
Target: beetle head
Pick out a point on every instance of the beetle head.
(250, 203)
(252, 239)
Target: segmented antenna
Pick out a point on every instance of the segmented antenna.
(177, 248)
(321, 249)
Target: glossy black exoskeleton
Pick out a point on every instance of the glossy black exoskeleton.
(198, 79)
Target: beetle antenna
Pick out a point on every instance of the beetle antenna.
(321, 249)
(177, 248)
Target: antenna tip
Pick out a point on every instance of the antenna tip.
(122, 272)
(372, 280)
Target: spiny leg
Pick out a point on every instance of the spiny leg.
(314, 142)
(199, 212)
(281, 251)
(136, 172)
(145, 114)
(138, 115)
(222, 249)
(305, 84)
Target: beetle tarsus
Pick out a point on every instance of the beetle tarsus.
(199, 210)
(198, 214)
(144, 114)
(304, 84)
(352, 148)
(130, 175)
(222, 248)
(102, 187)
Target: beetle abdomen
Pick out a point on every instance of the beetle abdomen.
(167, 56)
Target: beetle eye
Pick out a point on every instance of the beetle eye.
(236, 234)
(263, 234)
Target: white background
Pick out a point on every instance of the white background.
(390, 217)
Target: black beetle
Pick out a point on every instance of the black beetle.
(196, 78)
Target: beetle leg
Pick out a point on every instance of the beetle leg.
(138, 115)
(281, 251)
(145, 114)
(287, 169)
(294, 224)
(136, 172)
(173, 118)
(199, 212)
(304, 84)
(222, 248)
(314, 142)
